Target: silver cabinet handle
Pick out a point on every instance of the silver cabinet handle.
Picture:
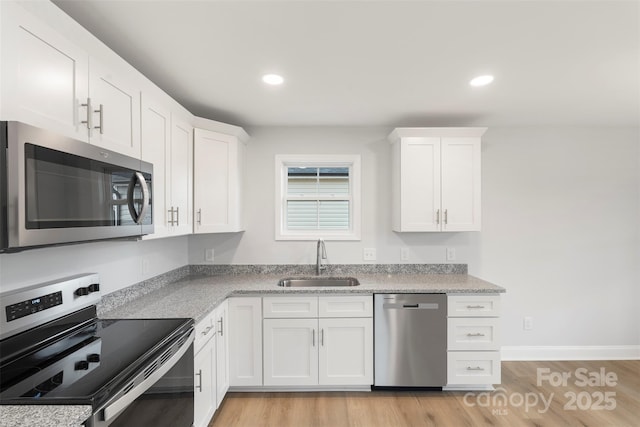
(171, 221)
(446, 216)
(477, 368)
(199, 374)
(438, 217)
(206, 331)
(88, 120)
(199, 216)
(101, 116)
(475, 306)
(476, 335)
(322, 337)
(221, 329)
(313, 338)
(178, 216)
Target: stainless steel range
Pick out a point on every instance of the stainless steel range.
(55, 351)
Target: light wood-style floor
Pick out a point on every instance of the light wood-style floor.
(549, 404)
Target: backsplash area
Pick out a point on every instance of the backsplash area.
(122, 296)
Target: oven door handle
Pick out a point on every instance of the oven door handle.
(116, 407)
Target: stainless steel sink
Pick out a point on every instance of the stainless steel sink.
(319, 281)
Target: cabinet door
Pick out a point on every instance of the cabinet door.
(216, 184)
(204, 403)
(156, 140)
(180, 154)
(461, 177)
(420, 184)
(222, 357)
(346, 351)
(290, 352)
(245, 341)
(115, 101)
(43, 75)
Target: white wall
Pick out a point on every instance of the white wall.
(119, 263)
(561, 218)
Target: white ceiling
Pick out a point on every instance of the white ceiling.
(383, 63)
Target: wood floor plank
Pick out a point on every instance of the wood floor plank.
(549, 404)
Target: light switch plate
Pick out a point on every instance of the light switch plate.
(404, 254)
(208, 255)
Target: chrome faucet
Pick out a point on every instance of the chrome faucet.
(320, 255)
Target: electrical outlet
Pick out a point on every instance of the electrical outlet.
(451, 254)
(527, 324)
(369, 254)
(145, 266)
(404, 254)
(208, 255)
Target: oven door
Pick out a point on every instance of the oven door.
(160, 394)
(60, 190)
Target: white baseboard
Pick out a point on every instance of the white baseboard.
(596, 352)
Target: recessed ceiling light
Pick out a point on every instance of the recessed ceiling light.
(481, 80)
(273, 79)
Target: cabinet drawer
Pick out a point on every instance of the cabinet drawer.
(473, 305)
(289, 307)
(205, 330)
(473, 367)
(346, 306)
(473, 333)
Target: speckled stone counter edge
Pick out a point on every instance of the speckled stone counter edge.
(130, 293)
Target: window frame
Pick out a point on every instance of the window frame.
(352, 161)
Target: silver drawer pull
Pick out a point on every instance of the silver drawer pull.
(478, 334)
(477, 368)
(475, 306)
(206, 331)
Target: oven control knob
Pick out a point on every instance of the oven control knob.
(82, 365)
(93, 358)
(94, 287)
(82, 292)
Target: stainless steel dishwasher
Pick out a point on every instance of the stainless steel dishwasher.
(410, 340)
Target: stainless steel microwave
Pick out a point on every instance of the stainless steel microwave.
(57, 190)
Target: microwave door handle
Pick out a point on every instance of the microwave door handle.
(137, 217)
(127, 399)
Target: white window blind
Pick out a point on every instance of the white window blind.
(318, 196)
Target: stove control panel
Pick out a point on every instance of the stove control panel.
(33, 305)
(24, 308)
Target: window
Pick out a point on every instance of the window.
(318, 196)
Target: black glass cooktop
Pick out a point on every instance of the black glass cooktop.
(81, 366)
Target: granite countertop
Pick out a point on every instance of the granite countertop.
(195, 296)
(44, 415)
(194, 293)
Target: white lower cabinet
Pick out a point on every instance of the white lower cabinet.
(473, 341)
(245, 341)
(222, 347)
(312, 351)
(204, 403)
(290, 352)
(346, 351)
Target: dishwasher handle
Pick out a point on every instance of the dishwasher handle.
(419, 306)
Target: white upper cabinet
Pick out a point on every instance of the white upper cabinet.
(156, 142)
(179, 167)
(166, 142)
(114, 110)
(436, 179)
(50, 82)
(218, 168)
(44, 77)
